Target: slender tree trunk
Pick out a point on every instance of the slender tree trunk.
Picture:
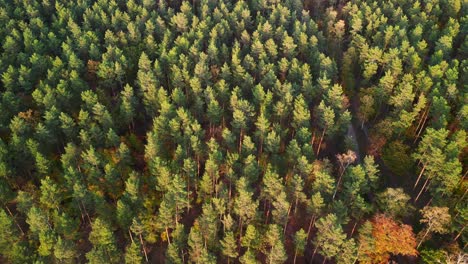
(167, 236)
(425, 234)
(313, 255)
(143, 246)
(287, 220)
(312, 141)
(459, 233)
(240, 141)
(240, 230)
(311, 223)
(86, 212)
(419, 177)
(131, 236)
(354, 228)
(295, 205)
(188, 194)
(229, 196)
(357, 254)
(320, 142)
(81, 211)
(422, 189)
(295, 256)
(14, 220)
(463, 196)
(338, 184)
(420, 120)
(422, 127)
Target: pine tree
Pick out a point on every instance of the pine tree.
(133, 254)
(229, 247)
(300, 241)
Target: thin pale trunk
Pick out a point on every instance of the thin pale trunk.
(311, 223)
(422, 127)
(422, 239)
(144, 249)
(324, 260)
(420, 120)
(240, 230)
(354, 228)
(357, 254)
(167, 236)
(459, 233)
(198, 165)
(14, 220)
(338, 184)
(287, 220)
(295, 256)
(188, 194)
(419, 177)
(81, 211)
(422, 189)
(429, 202)
(463, 196)
(295, 205)
(320, 142)
(240, 141)
(131, 236)
(86, 212)
(229, 196)
(313, 255)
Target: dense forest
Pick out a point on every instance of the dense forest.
(218, 131)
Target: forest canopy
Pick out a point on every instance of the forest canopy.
(218, 131)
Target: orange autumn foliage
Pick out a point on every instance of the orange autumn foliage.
(388, 238)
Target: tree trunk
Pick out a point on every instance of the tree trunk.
(420, 120)
(287, 220)
(320, 142)
(240, 142)
(86, 212)
(354, 228)
(295, 205)
(419, 177)
(422, 127)
(425, 234)
(143, 246)
(311, 223)
(422, 189)
(14, 220)
(295, 256)
(188, 194)
(167, 235)
(459, 233)
(338, 184)
(313, 255)
(312, 141)
(240, 230)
